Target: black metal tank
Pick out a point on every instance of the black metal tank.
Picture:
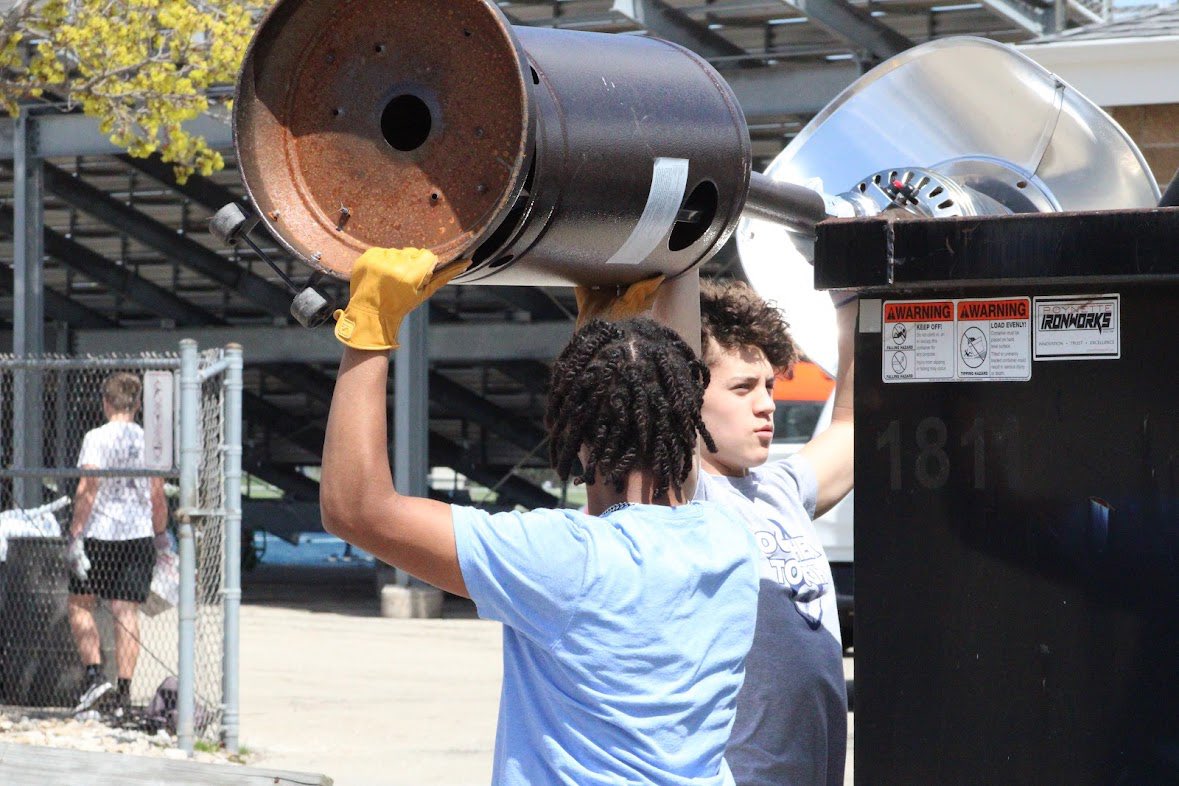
(543, 156)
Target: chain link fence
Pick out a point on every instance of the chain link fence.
(92, 463)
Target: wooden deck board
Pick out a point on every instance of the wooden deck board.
(33, 765)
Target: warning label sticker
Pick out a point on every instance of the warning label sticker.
(919, 341)
(995, 339)
(1079, 327)
(957, 340)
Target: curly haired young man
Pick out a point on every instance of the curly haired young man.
(791, 727)
(625, 628)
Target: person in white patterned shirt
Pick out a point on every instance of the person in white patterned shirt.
(118, 525)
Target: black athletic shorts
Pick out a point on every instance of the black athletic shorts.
(119, 569)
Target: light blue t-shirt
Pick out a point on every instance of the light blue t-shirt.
(624, 641)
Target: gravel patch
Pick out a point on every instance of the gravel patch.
(89, 732)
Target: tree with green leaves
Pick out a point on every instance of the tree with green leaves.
(141, 68)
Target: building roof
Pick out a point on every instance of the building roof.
(1129, 61)
(1158, 22)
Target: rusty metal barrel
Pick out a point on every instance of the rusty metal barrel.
(543, 156)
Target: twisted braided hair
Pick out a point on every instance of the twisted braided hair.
(630, 393)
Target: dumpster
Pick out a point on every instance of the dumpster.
(1017, 496)
(40, 665)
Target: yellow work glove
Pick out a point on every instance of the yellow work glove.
(616, 303)
(386, 285)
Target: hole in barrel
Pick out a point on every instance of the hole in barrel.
(406, 123)
(696, 216)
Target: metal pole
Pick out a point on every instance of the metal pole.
(411, 410)
(1059, 15)
(232, 596)
(798, 207)
(190, 459)
(28, 338)
(61, 447)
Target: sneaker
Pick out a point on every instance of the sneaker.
(98, 688)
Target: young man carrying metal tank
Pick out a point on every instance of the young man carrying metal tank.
(625, 628)
(791, 725)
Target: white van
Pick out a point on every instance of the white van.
(797, 418)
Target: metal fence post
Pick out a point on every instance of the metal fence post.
(411, 408)
(28, 317)
(233, 548)
(190, 459)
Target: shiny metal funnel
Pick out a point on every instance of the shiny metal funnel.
(980, 114)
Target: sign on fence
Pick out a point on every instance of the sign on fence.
(158, 420)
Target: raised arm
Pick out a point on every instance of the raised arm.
(830, 453)
(677, 305)
(357, 499)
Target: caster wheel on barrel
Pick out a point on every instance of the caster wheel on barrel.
(231, 223)
(311, 308)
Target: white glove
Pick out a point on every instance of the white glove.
(77, 560)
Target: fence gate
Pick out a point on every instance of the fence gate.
(188, 406)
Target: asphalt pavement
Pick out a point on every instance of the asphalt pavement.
(329, 686)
